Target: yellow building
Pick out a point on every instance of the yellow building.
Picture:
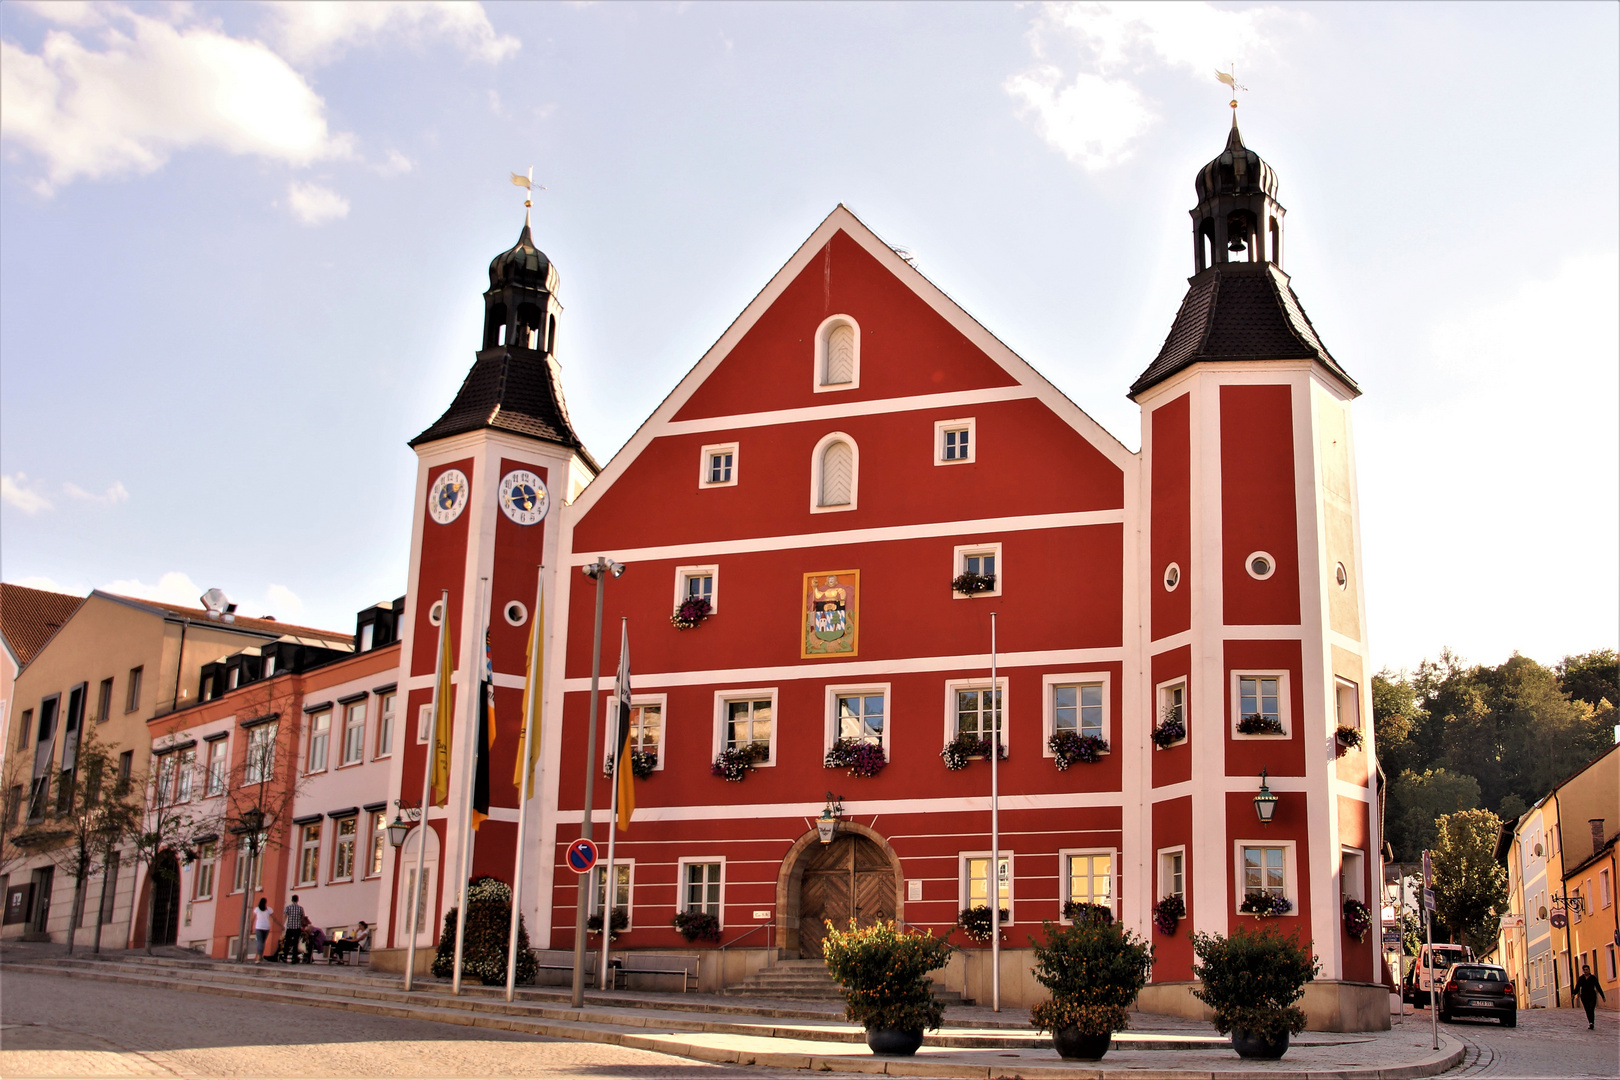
(113, 664)
(1589, 805)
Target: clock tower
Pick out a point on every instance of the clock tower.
(492, 474)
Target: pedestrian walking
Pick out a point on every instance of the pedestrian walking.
(1587, 989)
(261, 926)
(293, 914)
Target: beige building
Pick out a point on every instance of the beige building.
(114, 664)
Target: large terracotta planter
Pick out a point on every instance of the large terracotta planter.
(1073, 1046)
(1255, 1046)
(893, 1041)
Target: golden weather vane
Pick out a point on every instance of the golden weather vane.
(526, 182)
(1230, 79)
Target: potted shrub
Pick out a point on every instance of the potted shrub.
(621, 922)
(1094, 970)
(1357, 919)
(696, 926)
(883, 973)
(1070, 747)
(1252, 980)
(1168, 912)
(1260, 724)
(1170, 730)
(1348, 738)
(693, 610)
(489, 922)
(965, 747)
(975, 922)
(1265, 905)
(971, 584)
(860, 757)
(734, 763)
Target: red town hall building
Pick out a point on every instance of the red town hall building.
(855, 477)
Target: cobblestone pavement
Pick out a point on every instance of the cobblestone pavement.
(53, 1027)
(1547, 1043)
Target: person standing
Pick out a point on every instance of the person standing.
(294, 916)
(1587, 989)
(261, 926)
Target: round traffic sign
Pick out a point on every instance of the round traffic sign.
(581, 856)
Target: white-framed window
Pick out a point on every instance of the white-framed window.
(309, 853)
(1260, 693)
(1172, 699)
(981, 559)
(354, 733)
(1614, 972)
(623, 880)
(703, 886)
(693, 581)
(1346, 704)
(250, 866)
(858, 712)
(1173, 872)
(1076, 701)
(974, 881)
(834, 474)
(971, 709)
(385, 725)
(424, 721)
(1264, 866)
(320, 735)
(1605, 888)
(838, 354)
(260, 765)
(742, 717)
(1352, 874)
(343, 842)
(368, 634)
(1089, 877)
(162, 784)
(717, 465)
(379, 843)
(955, 441)
(646, 727)
(207, 862)
(185, 770)
(218, 766)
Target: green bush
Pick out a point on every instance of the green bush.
(1252, 980)
(483, 953)
(1094, 971)
(884, 974)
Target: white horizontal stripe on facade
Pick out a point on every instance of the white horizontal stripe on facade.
(724, 678)
(874, 406)
(1263, 633)
(975, 527)
(809, 811)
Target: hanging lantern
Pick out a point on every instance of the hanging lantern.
(1265, 803)
(398, 830)
(827, 823)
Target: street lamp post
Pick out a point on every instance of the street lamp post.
(598, 572)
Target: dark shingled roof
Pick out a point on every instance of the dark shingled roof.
(30, 617)
(509, 390)
(1239, 311)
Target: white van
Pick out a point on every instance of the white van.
(1429, 970)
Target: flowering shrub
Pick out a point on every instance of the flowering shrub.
(1260, 724)
(693, 610)
(884, 975)
(1265, 905)
(697, 926)
(1168, 912)
(1252, 979)
(736, 762)
(642, 764)
(973, 583)
(1094, 970)
(975, 922)
(483, 954)
(1071, 747)
(860, 757)
(964, 748)
(621, 921)
(1079, 912)
(1171, 730)
(1349, 737)
(1357, 919)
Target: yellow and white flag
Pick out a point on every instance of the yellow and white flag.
(533, 693)
(443, 697)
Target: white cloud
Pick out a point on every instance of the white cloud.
(15, 491)
(1086, 103)
(173, 587)
(115, 493)
(37, 581)
(315, 205)
(319, 33)
(282, 602)
(151, 89)
(395, 164)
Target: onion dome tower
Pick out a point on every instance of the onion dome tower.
(1239, 303)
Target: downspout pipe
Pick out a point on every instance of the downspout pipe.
(179, 665)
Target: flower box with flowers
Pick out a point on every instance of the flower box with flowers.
(975, 923)
(1168, 912)
(621, 922)
(971, 584)
(1348, 737)
(964, 748)
(1260, 724)
(734, 763)
(693, 610)
(1357, 919)
(1078, 911)
(643, 763)
(697, 926)
(860, 757)
(1069, 747)
(1265, 905)
(1171, 729)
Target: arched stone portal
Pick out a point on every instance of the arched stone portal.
(856, 876)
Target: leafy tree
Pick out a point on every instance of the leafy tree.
(1512, 807)
(1470, 886)
(1422, 798)
(1396, 716)
(1592, 677)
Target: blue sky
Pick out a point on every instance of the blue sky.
(244, 246)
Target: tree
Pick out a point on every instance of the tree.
(1470, 886)
(1396, 715)
(167, 825)
(1592, 677)
(1423, 798)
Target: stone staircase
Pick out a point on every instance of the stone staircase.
(803, 980)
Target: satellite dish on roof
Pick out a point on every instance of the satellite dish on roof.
(219, 605)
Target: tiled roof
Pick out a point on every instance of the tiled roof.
(273, 627)
(1239, 311)
(509, 390)
(28, 617)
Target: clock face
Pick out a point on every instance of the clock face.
(449, 496)
(524, 498)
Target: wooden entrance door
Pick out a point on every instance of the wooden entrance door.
(850, 878)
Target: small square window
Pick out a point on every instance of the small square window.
(1259, 705)
(955, 441)
(623, 872)
(698, 583)
(1346, 704)
(1173, 872)
(1263, 870)
(717, 466)
(975, 882)
(1090, 878)
(976, 570)
(701, 885)
(1078, 702)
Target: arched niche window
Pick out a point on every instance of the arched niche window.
(495, 326)
(834, 474)
(551, 333)
(529, 321)
(838, 354)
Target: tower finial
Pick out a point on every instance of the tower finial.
(1230, 79)
(526, 182)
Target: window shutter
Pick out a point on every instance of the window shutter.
(840, 354)
(837, 472)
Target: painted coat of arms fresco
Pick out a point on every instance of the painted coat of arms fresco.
(828, 616)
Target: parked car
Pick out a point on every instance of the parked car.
(1479, 990)
(1430, 968)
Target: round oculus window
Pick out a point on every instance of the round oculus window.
(436, 613)
(1260, 565)
(515, 613)
(1172, 577)
(1341, 576)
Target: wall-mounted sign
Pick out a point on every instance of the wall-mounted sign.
(17, 903)
(829, 615)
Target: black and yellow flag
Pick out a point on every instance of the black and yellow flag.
(623, 774)
(485, 741)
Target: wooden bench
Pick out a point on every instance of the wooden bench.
(654, 964)
(555, 960)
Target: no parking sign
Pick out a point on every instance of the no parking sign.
(581, 856)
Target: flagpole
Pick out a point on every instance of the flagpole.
(536, 657)
(993, 885)
(613, 815)
(582, 901)
(427, 782)
(464, 862)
